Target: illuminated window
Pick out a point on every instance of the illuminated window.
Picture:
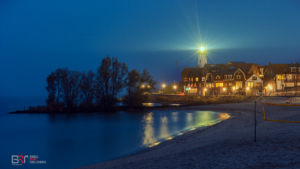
(218, 77)
(279, 77)
(212, 85)
(185, 79)
(189, 79)
(229, 76)
(219, 84)
(239, 85)
(196, 79)
(225, 84)
(293, 69)
(230, 84)
(192, 79)
(254, 78)
(195, 85)
(250, 84)
(203, 79)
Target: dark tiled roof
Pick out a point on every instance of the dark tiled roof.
(187, 70)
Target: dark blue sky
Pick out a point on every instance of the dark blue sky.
(37, 37)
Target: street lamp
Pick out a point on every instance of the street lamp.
(143, 86)
(174, 87)
(163, 85)
(224, 90)
(247, 88)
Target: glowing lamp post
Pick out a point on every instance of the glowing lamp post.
(270, 90)
(233, 88)
(224, 89)
(163, 85)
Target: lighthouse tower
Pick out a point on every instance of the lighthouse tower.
(202, 60)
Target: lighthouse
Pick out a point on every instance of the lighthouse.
(202, 60)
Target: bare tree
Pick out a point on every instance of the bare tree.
(87, 88)
(58, 82)
(51, 88)
(136, 85)
(70, 84)
(147, 81)
(110, 80)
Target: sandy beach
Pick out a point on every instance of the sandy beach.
(228, 144)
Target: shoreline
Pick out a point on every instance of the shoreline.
(227, 144)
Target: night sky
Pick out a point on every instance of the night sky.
(37, 37)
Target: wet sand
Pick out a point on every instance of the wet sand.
(228, 144)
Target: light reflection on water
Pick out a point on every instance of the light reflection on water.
(193, 120)
(92, 138)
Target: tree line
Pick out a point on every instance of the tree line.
(68, 89)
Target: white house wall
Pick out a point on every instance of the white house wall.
(258, 80)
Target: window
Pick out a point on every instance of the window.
(293, 69)
(209, 85)
(225, 76)
(229, 84)
(225, 84)
(250, 84)
(238, 76)
(192, 85)
(213, 71)
(229, 76)
(203, 79)
(212, 85)
(185, 79)
(239, 85)
(254, 78)
(218, 77)
(196, 79)
(261, 70)
(191, 79)
(206, 85)
(189, 85)
(255, 71)
(219, 84)
(279, 77)
(199, 85)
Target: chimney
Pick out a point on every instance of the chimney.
(185, 67)
(197, 66)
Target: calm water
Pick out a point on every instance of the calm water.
(67, 141)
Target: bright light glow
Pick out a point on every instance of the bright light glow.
(224, 88)
(174, 87)
(189, 88)
(205, 89)
(202, 48)
(143, 86)
(270, 87)
(163, 85)
(247, 88)
(233, 88)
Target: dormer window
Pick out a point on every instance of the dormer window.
(203, 79)
(225, 76)
(238, 76)
(218, 77)
(293, 69)
(229, 76)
